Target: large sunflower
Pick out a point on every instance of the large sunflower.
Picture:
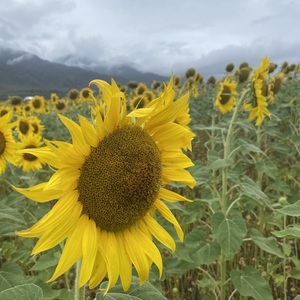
(225, 99)
(116, 173)
(7, 143)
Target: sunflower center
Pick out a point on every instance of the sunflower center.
(28, 156)
(36, 104)
(2, 143)
(120, 179)
(225, 96)
(24, 127)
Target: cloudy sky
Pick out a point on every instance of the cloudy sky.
(154, 35)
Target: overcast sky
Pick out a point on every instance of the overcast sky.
(155, 35)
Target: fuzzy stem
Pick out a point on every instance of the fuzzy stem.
(79, 292)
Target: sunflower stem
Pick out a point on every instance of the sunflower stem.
(224, 196)
(79, 292)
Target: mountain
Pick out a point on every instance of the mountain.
(121, 71)
(25, 74)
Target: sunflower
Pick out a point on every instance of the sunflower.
(257, 104)
(275, 85)
(141, 89)
(73, 94)
(38, 104)
(138, 102)
(23, 126)
(54, 98)
(116, 172)
(35, 123)
(86, 95)
(61, 105)
(28, 161)
(225, 99)
(5, 110)
(7, 143)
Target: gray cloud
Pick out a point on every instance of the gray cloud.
(158, 35)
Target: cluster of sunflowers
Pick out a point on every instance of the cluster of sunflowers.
(119, 164)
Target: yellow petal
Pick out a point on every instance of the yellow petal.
(99, 270)
(171, 196)
(63, 179)
(108, 243)
(149, 248)
(55, 217)
(89, 131)
(77, 137)
(58, 233)
(178, 175)
(136, 255)
(89, 250)
(158, 232)
(167, 214)
(72, 250)
(100, 129)
(125, 264)
(37, 193)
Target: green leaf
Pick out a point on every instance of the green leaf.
(250, 189)
(7, 213)
(250, 283)
(66, 295)
(267, 244)
(182, 252)
(229, 232)
(289, 232)
(221, 163)
(135, 292)
(207, 253)
(22, 292)
(291, 210)
(10, 275)
(45, 261)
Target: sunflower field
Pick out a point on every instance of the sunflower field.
(185, 190)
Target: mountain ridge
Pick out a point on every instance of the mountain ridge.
(25, 74)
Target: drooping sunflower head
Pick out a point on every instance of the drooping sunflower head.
(117, 170)
(132, 84)
(141, 89)
(243, 74)
(225, 99)
(155, 85)
(177, 81)
(256, 102)
(199, 78)
(28, 161)
(16, 100)
(211, 80)
(73, 94)
(190, 73)
(229, 68)
(275, 85)
(272, 67)
(244, 65)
